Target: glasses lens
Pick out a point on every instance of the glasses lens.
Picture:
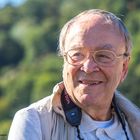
(75, 56)
(104, 57)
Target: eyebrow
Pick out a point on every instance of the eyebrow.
(106, 46)
(101, 47)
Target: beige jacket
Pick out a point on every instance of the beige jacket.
(52, 124)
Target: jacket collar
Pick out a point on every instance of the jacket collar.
(56, 99)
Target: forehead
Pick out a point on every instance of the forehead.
(91, 31)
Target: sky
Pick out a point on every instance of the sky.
(13, 2)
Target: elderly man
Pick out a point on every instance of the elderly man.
(96, 48)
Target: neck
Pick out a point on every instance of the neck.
(99, 114)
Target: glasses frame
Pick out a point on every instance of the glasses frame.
(116, 56)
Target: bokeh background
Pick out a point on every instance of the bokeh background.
(29, 64)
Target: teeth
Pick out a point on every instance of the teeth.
(90, 82)
(96, 83)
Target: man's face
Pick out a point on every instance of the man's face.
(91, 84)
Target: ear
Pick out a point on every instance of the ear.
(125, 69)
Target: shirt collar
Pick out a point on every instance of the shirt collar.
(112, 128)
(88, 124)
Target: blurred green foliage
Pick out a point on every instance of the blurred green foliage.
(29, 66)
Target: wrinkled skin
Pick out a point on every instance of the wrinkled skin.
(89, 85)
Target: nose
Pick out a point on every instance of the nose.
(90, 66)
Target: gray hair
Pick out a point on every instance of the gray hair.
(109, 17)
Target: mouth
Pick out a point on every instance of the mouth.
(90, 82)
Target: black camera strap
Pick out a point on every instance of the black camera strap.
(72, 112)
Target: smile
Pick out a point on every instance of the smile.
(89, 82)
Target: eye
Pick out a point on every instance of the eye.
(104, 56)
(76, 55)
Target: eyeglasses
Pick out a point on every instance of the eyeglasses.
(102, 57)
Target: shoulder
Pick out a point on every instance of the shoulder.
(124, 102)
(25, 125)
(27, 121)
(131, 112)
(33, 111)
(129, 108)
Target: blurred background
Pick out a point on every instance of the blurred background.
(29, 64)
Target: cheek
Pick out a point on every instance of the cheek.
(115, 76)
(69, 74)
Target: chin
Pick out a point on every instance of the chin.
(91, 98)
(85, 99)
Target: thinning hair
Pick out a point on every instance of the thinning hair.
(109, 17)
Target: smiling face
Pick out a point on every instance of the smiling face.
(90, 84)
